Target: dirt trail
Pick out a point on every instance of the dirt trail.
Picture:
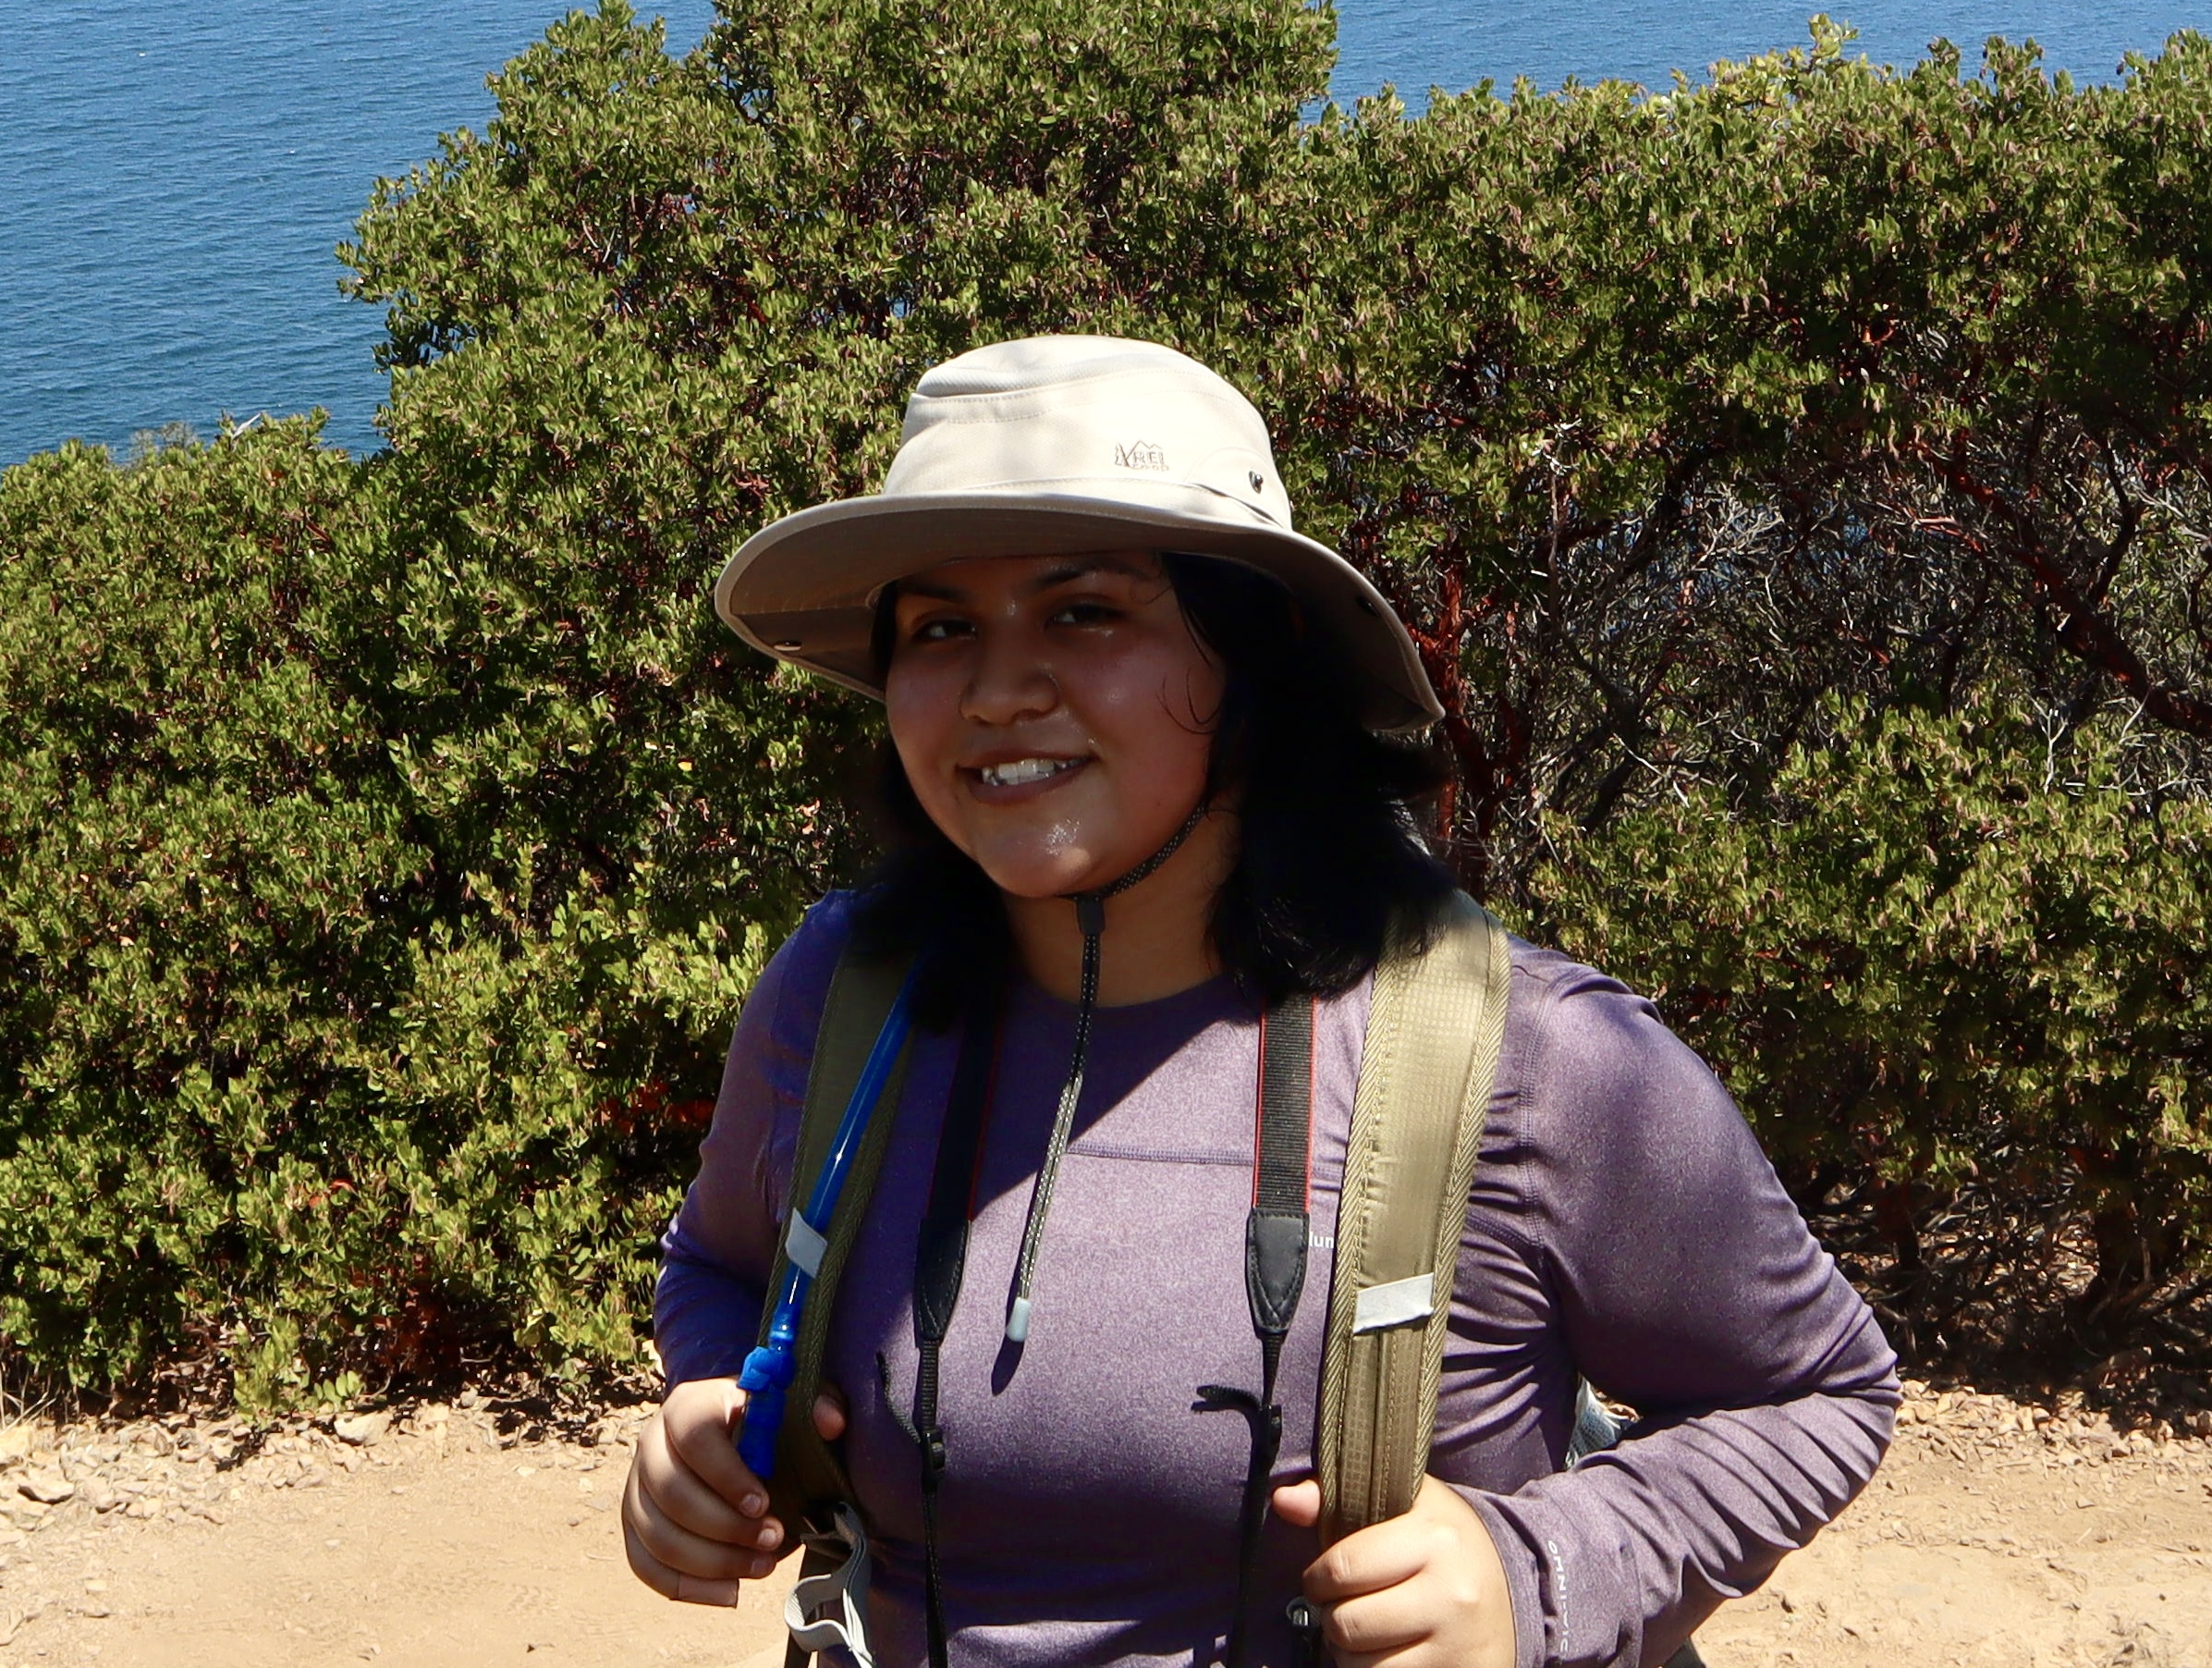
(440, 1542)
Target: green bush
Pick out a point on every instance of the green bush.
(1947, 957)
(310, 1068)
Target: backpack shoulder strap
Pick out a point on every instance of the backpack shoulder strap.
(1434, 1026)
(862, 992)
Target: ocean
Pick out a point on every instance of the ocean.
(173, 173)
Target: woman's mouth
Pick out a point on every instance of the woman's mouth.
(1016, 773)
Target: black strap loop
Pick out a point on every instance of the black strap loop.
(1275, 1272)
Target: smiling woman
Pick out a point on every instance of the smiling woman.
(1154, 774)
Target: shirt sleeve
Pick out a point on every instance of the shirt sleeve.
(1683, 1282)
(719, 1252)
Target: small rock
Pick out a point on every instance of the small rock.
(101, 1495)
(48, 1488)
(363, 1429)
(30, 1513)
(19, 1441)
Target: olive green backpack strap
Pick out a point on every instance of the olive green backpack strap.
(862, 992)
(1434, 1026)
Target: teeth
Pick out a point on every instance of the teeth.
(1017, 771)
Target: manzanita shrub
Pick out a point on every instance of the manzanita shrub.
(1945, 952)
(306, 1069)
(395, 839)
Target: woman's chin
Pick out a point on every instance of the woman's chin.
(1035, 880)
(1037, 869)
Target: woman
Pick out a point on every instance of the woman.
(1113, 673)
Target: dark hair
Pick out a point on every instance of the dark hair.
(1330, 852)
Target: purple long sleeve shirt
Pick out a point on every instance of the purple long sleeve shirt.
(1623, 1226)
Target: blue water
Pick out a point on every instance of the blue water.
(173, 173)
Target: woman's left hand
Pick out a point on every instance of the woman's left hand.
(1425, 1590)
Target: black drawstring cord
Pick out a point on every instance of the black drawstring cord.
(1090, 917)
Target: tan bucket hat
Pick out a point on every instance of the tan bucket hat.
(1057, 445)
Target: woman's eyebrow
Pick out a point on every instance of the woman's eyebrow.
(1067, 572)
(915, 587)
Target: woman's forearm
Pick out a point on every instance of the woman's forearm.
(1617, 1560)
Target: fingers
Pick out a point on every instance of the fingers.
(673, 1583)
(674, 1492)
(702, 1420)
(1364, 1630)
(738, 1548)
(683, 1538)
(1299, 1505)
(829, 1413)
(1425, 1588)
(1371, 1559)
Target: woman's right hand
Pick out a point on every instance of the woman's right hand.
(695, 1519)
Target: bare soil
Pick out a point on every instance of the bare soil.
(1998, 1534)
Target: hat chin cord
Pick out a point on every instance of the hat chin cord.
(1090, 917)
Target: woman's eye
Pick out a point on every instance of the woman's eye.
(1085, 614)
(938, 630)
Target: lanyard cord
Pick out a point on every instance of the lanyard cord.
(1090, 916)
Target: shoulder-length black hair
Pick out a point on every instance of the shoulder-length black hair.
(1330, 853)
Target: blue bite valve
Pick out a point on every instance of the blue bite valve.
(766, 1374)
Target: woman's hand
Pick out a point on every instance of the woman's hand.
(1425, 1590)
(695, 1519)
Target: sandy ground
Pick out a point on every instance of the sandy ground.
(1988, 1539)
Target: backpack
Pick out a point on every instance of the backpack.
(1434, 1021)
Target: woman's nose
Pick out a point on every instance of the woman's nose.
(1010, 680)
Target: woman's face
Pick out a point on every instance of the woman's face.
(1055, 714)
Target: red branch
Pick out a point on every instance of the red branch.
(2082, 628)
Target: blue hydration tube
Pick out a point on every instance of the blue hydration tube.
(768, 1370)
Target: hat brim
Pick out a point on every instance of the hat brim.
(804, 588)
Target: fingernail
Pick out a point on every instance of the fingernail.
(761, 1566)
(752, 1505)
(770, 1535)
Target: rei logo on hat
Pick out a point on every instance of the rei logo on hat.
(1139, 454)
